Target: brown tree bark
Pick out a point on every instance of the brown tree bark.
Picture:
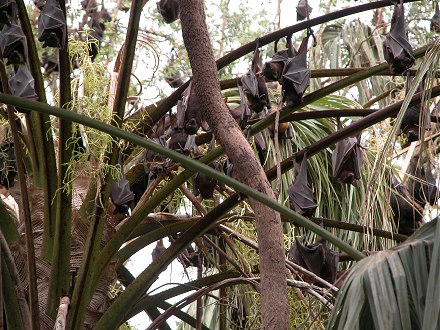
(247, 168)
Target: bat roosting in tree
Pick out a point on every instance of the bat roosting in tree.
(347, 159)
(13, 44)
(8, 11)
(22, 84)
(204, 185)
(189, 116)
(169, 9)
(121, 194)
(273, 69)
(397, 50)
(303, 10)
(52, 25)
(422, 184)
(300, 194)
(254, 85)
(316, 257)
(435, 20)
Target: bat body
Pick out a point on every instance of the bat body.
(316, 257)
(22, 84)
(48, 64)
(52, 25)
(303, 10)
(13, 45)
(397, 50)
(158, 250)
(435, 20)
(122, 196)
(169, 9)
(407, 214)
(8, 11)
(347, 159)
(175, 80)
(204, 185)
(300, 194)
(189, 113)
(155, 163)
(422, 186)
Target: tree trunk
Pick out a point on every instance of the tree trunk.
(247, 169)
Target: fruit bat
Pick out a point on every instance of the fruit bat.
(22, 84)
(189, 112)
(435, 20)
(49, 65)
(204, 185)
(8, 169)
(8, 12)
(169, 9)
(303, 10)
(410, 125)
(52, 25)
(296, 75)
(13, 44)
(245, 112)
(347, 159)
(254, 85)
(316, 257)
(155, 163)
(158, 250)
(174, 80)
(121, 194)
(397, 50)
(273, 69)
(300, 194)
(422, 184)
(182, 142)
(407, 214)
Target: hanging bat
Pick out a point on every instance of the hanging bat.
(121, 194)
(204, 185)
(303, 10)
(169, 9)
(300, 194)
(316, 257)
(189, 112)
(435, 20)
(422, 185)
(182, 142)
(273, 70)
(397, 50)
(52, 25)
(407, 214)
(296, 76)
(254, 85)
(155, 163)
(8, 12)
(8, 169)
(49, 65)
(347, 159)
(174, 80)
(13, 44)
(22, 84)
(158, 250)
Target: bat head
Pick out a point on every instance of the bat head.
(410, 123)
(272, 71)
(302, 9)
(13, 44)
(8, 11)
(204, 185)
(169, 9)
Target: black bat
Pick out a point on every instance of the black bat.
(174, 80)
(169, 9)
(296, 75)
(347, 159)
(155, 163)
(52, 25)
(316, 257)
(189, 112)
(300, 194)
(22, 84)
(273, 70)
(121, 194)
(422, 185)
(182, 142)
(48, 64)
(8, 169)
(435, 20)
(204, 185)
(303, 10)
(158, 250)
(13, 44)
(254, 85)
(397, 50)
(407, 214)
(8, 12)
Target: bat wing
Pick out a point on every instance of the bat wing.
(52, 25)
(300, 193)
(312, 255)
(250, 83)
(13, 44)
(302, 10)
(343, 152)
(435, 20)
(22, 85)
(296, 71)
(182, 105)
(8, 11)
(121, 193)
(246, 112)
